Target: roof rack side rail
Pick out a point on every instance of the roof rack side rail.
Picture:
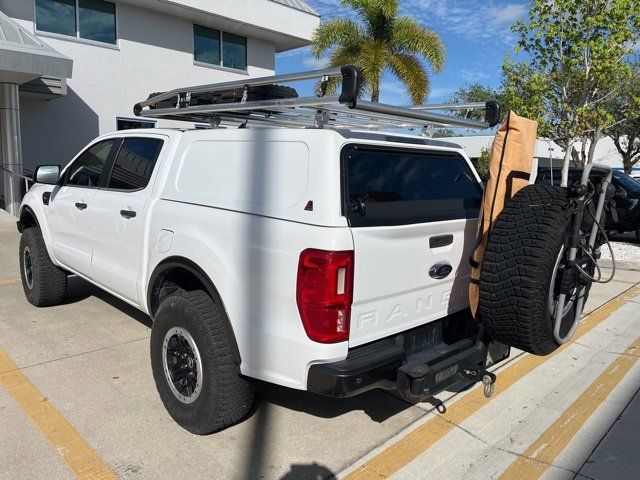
(224, 103)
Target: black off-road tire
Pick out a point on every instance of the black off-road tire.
(44, 284)
(225, 397)
(518, 265)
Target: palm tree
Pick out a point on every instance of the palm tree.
(381, 40)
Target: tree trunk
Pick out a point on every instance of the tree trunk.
(628, 162)
(375, 93)
(565, 166)
(594, 141)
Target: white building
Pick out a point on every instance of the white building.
(123, 50)
(546, 153)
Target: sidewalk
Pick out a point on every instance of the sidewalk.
(618, 453)
(547, 416)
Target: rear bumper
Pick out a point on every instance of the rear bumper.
(418, 363)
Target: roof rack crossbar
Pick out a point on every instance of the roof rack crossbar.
(340, 110)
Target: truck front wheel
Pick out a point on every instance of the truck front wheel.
(44, 284)
(193, 366)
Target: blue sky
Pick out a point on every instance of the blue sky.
(476, 35)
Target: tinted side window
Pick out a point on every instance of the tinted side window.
(401, 186)
(134, 164)
(89, 166)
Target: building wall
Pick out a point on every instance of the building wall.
(154, 53)
(546, 152)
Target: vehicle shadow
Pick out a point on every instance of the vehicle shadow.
(79, 289)
(312, 471)
(376, 404)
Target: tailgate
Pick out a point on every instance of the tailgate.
(413, 220)
(393, 290)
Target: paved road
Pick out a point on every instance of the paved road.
(78, 400)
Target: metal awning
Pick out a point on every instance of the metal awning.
(23, 58)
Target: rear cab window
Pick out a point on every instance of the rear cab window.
(385, 186)
(134, 164)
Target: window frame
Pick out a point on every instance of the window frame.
(64, 177)
(77, 38)
(374, 223)
(109, 166)
(220, 65)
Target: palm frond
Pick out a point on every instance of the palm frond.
(379, 40)
(413, 74)
(341, 57)
(371, 8)
(373, 60)
(333, 33)
(409, 37)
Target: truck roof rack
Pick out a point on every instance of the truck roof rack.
(213, 104)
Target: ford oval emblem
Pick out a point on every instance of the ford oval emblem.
(440, 270)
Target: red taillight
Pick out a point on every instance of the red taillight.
(324, 294)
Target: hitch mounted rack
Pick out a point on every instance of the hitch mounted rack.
(344, 110)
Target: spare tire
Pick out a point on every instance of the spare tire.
(522, 267)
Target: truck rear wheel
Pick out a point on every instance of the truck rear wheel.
(44, 284)
(193, 366)
(522, 270)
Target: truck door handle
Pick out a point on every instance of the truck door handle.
(127, 214)
(440, 241)
(81, 206)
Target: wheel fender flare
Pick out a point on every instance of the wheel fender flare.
(31, 206)
(170, 263)
(26, 209)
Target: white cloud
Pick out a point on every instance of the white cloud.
(479, 19)
(470, 19)
(394, 92)
(298, 52)
(440, 93)
(507, 14)
(470, 75)
(314, 64)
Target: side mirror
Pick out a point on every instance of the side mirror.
(621, 194)
(47, 174)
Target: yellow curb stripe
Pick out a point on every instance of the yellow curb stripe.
(68, 444)
(14, 281)
(541, 454)
(416, 442)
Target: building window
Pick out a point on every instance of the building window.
(206, 45)
(214, 47)
(130, 123)
(97, 20)
(234, 51)
(93, 20)
(56, 16)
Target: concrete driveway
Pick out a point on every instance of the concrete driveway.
(78, 400)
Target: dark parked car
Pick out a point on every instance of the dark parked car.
(626, 217)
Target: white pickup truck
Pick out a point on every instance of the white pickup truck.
(323, 259)
(320, 260)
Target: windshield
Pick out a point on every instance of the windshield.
(384, 186)
(627, 182)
